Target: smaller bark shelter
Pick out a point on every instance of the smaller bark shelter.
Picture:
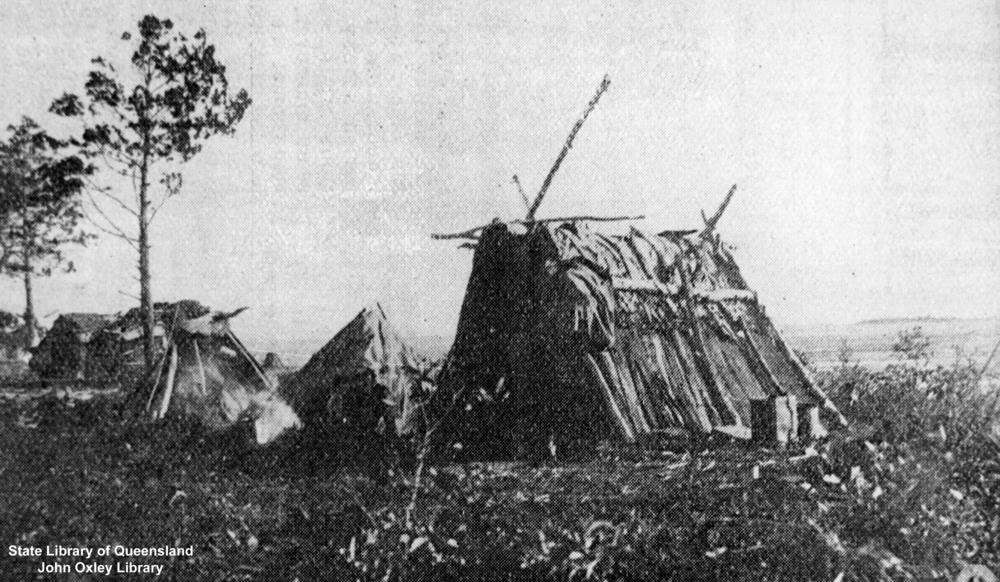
(571, 332)
(365, 380)
(117, 347)
(205, 372)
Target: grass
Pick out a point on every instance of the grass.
(909, 493)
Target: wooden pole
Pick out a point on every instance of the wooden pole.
(156, 381)
(566, 147)
(168, 390)
(621, 423)
(201, 368)
(242, 350)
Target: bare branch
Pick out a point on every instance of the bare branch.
(107, 163)
(119, 202)
(156, 209)
(135, 187)
(111, 228)
(172, 184)
(113, 232)
(129, 295)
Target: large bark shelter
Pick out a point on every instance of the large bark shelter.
(572, 332)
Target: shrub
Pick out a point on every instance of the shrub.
(921, 438)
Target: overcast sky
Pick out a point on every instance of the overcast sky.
(864, 136)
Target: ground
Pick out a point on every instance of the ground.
(879, 502)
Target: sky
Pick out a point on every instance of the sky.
(864, 137)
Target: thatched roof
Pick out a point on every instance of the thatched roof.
(84, 324)
(129, 324)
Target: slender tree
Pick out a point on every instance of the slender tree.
(144, 121)
(40, 209)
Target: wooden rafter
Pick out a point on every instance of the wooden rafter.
(473, 233)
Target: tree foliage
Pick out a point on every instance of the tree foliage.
(40, 209)
(180, 97)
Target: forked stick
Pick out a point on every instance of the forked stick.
(711, 222)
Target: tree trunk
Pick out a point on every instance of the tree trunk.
(145, 295)
(29, 312)
(29, 303)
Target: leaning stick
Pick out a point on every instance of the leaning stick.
(989, 361)
(473, 233)
(520, 190)
(566, 147)
(168, 390)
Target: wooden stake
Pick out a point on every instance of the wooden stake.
(168, 390)
(808, 378)
(156, 380)
(201, 368)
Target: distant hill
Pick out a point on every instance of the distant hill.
(919, 319)
(870, 342)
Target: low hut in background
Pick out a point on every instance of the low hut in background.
(66, 353)
(273, 361)
(206, 373)
(102, 348)
(365, 380)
